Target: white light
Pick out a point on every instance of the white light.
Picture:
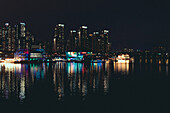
(106, 31)
(22, 23)
(85, 27)
(7, 24)
(96, 32)
(123, 61)
(62, 25)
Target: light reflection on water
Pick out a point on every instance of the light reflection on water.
(68, 79)
(16, 78)
(122, 68)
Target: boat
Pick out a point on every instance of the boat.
(124, 58)
(58, 59)
(9, 60)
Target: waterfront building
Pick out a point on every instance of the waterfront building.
(21, 55)
(30, 55)
(78, 56)
(37, 55)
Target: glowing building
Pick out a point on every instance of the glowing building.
(59, 40)
(37, 55)
(72, 42)
(20, 35)
(83, 39)
(77, 56)
(29, 40)
(1, 43)
(96, 40)
(13, 38)
(21, 55)
(33, 55)
(6, 37)
(103, 44)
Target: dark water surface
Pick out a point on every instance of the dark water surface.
(93, 88)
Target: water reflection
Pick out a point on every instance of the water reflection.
(16, 78)
(80, 78)
(122, 68)
(58, 79)
(69, 79)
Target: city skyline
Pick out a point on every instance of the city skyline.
(133, 24)
(66, 37)
(88, 56)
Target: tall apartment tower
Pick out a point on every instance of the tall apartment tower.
(83, 38)
(20, 30)
(13, 38)
(96, 42)
(59, 40)
(6, 37)
(104, 42)
(1, 46)
(29, 40)
(72, 43)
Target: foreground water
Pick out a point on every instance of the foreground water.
(77, 87)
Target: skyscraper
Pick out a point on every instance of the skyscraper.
(72, 43)
(104, 41)
(1, 46)
(59, 40)
(20, 35)
(6, 37)
(29, 40)
(96, 42)
(12, 38)
(83, 38)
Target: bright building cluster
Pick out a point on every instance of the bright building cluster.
(15, 37)
(81, 40)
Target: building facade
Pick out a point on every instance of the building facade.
(13, 38)
(59, 39)
(83, 39)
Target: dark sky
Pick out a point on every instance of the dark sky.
(134, 24)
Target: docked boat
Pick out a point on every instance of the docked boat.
(58, 59)
(9, 60)
(124, 58)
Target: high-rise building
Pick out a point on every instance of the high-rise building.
(72, 42)
(83, 38)
(29, 40)
(109, 47)
(96, 42)
(20, 35)
(59, 40)
(99, 43)
(104, 41)
(1, 39)
(6, 37)
(91, 43)
(13, 38)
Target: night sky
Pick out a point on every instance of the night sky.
(134, 24)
